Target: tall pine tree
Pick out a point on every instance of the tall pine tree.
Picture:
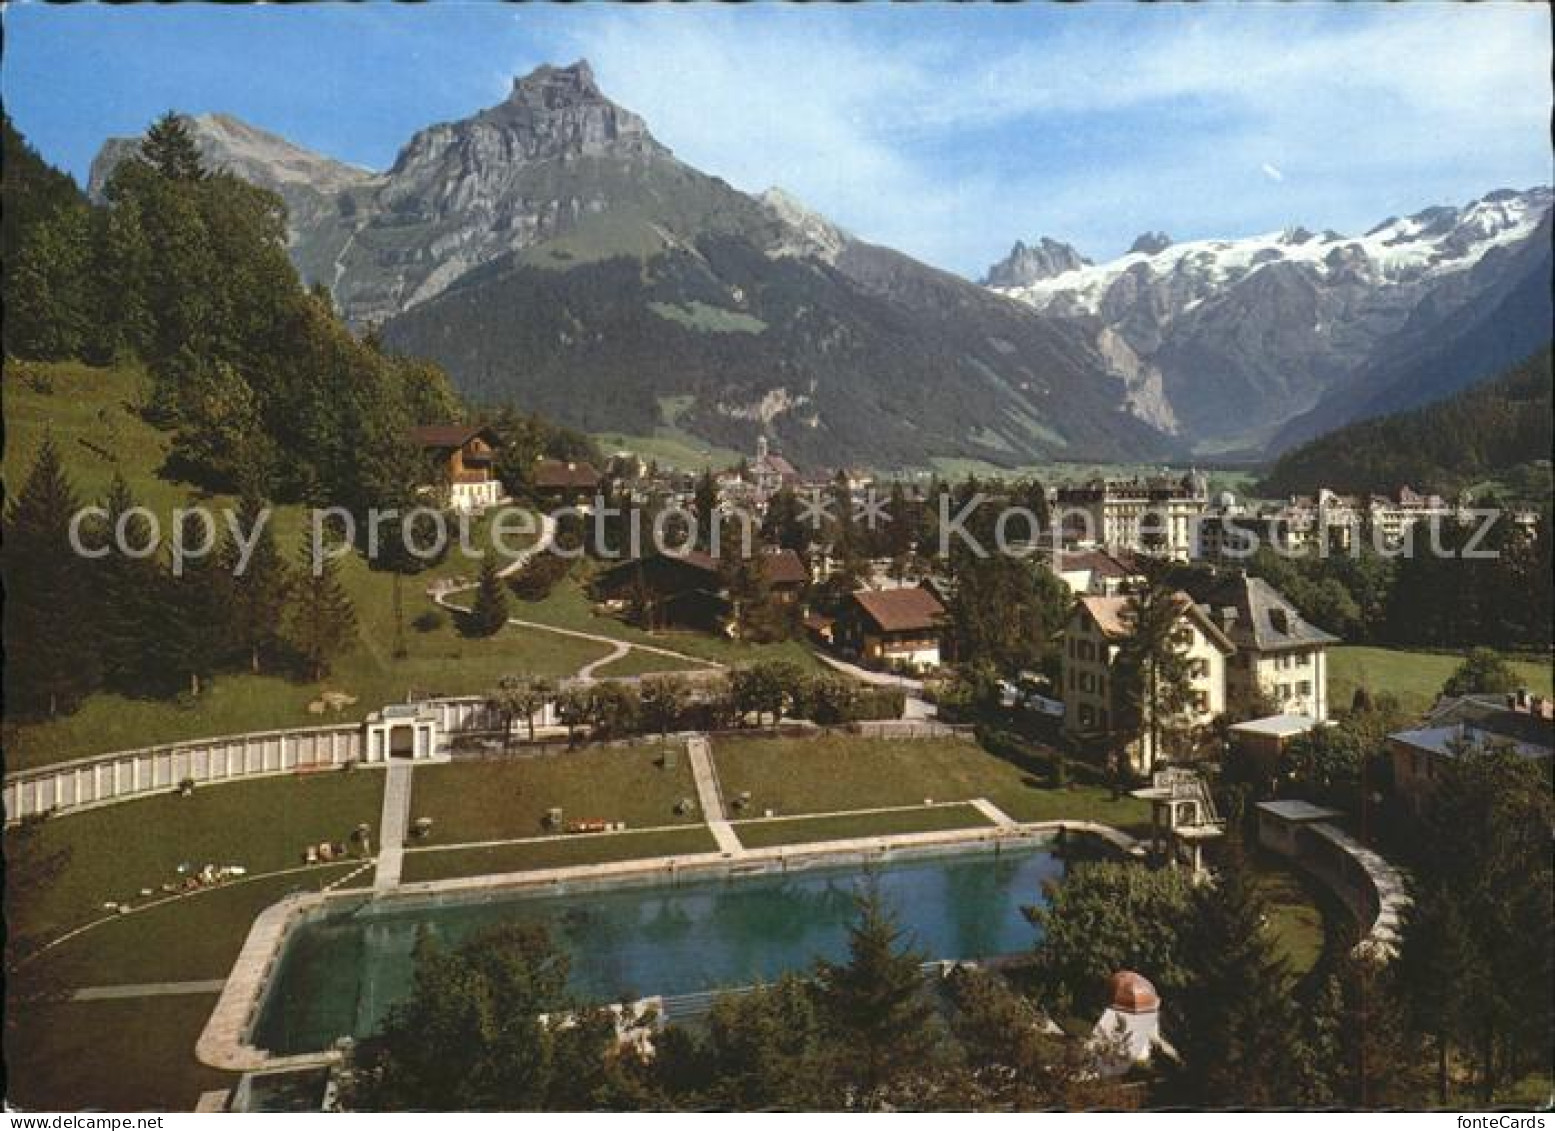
(196, 603)
(170, 149)
(322, 621)
(1235, 1026)
(50, 603)
(129, 587)
(490, 611)
(260, 587)
(875, 1005)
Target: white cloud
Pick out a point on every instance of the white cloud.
(1088, 124)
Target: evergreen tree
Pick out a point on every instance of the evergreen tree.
(704, 505)
(50, 603)
(47, 287)
(170, 149)
(259, 588)
(490, 1027)
(490, 611)
(1152, 683)
(322, 620)
(781, 524)
(1483, 672)
(1485, 905)
(880, 1020)
(196, 603)
(129, 588)
(1236, 1026)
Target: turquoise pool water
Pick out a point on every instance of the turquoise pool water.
(340, 973)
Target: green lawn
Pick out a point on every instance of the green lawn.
(799, 830)
(188, 939)
(131, 1055)
(1416, 678)
(508, 799)
(262, 825)
(556, 852)
(1295, 915)
(568, 606)
(835, 772)
(637, 662)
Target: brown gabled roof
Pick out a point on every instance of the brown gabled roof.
(1108, 613)
(901, 610)
(555, 473)
(442, 437)
(1098, 562)
(784, 567)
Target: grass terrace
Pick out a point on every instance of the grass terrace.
(507, 799)
(555, 852)
(891, 822)
(568, 606)
(192, 938)
(135, 1054)
(795, 776)
(263, 825)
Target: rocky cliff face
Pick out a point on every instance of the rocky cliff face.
(1248, 334)
(550, 251)
(1026, 265)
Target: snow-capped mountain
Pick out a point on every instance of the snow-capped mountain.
(1241, 335)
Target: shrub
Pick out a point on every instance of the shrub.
(429, 621)
(541, 574)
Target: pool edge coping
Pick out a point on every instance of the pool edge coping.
(225, 1043)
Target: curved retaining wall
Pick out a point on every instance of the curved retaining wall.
(1374, 890)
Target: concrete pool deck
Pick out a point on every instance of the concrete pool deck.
(226, 1041)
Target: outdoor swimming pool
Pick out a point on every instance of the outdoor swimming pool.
(340, 973)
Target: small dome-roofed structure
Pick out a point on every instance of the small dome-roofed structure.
(1133, 993)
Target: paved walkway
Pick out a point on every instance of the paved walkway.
(394, 825)
(699, 751)
(148, 989)
(915, 706)
(995, 814)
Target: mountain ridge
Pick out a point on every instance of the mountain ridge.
(550, 249)
(1247, 338)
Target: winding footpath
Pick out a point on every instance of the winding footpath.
(442, 595)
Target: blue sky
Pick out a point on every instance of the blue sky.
(946, 132)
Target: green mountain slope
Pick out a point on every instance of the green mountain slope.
(1497, 430)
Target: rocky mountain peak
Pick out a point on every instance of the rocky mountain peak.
(1025, 265)
(554, 87)
(1150, 243)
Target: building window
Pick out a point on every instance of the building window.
(1304, 689)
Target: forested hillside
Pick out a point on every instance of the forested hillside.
(1498, 430)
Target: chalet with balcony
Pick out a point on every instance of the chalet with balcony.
(464, 457)
(894, 628)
